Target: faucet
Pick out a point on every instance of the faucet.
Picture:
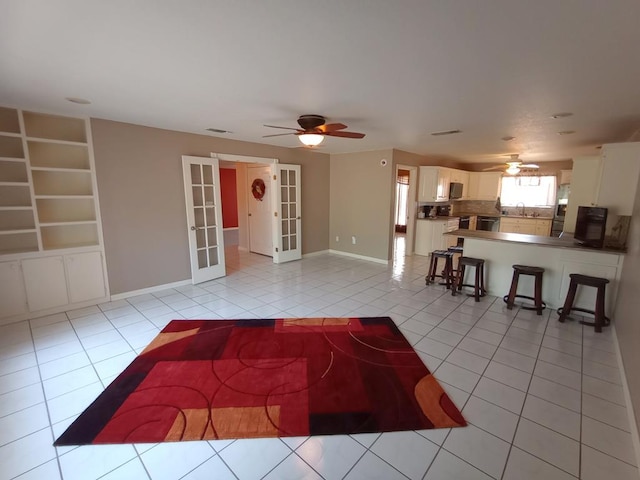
(522, 212)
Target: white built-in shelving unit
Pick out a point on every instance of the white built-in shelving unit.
(50, 232)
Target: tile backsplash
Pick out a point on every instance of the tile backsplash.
(489, 208)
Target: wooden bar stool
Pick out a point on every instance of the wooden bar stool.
(599, 317)
(478, 286)
(447, 272)
(537, 272)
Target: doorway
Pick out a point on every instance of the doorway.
(405, 210)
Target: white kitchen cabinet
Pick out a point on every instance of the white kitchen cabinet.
(528, 226)
(45, 282)
(85, 278)
(434, 184)
(585, 182)
(13, 297)
(565, 177)
(484, 185)
(430, 235)
(619, 180)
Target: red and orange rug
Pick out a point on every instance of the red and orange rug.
(217, 379)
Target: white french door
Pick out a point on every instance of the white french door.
(287, 220)
(204, 217)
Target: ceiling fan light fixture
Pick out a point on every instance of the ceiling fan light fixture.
(311, 139)
(513, 170)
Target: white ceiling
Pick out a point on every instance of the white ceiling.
(394, 70)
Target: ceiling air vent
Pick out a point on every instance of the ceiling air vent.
(218, 130)
(446, 132)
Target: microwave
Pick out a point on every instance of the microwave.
(455, 190)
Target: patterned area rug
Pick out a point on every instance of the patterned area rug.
(216, 379)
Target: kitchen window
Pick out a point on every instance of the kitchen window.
(533, 191)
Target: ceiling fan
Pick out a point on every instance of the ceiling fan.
(514, 166)
(313, 129)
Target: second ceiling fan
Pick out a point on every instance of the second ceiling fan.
(514, 166)
(313, 129)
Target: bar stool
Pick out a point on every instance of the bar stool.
(447, 272)
(599, 316)
(537, 272)
(478, 286)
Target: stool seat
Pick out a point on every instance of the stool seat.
(537, 272)
(600, 319)
(528, 270)
(478, 285)
(455, 249)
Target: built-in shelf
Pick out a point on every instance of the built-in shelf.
(9, 120)
(19, 243)
(69, 236)
(61, 183)
(17, 219)
(15, 172)
(55, 210)
(54, 127)
(55, 155)
(11, 146)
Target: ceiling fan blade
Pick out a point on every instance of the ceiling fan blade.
(496, 167)
(331, 127)
(529, 165)
(285, 128)
(278, 135)
(345, 134)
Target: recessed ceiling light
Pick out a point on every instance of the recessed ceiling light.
(78, 100)
(446, 132)
(561, 115)
(218, 130)
(508, 138)
(566, 132)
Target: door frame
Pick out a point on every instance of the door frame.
(411, 206)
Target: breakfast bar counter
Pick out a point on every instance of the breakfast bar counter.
(558, 256)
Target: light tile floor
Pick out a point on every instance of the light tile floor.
(544, 400)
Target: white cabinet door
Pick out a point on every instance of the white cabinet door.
(484, 185)
(438, 240)
(585, 183)
(45, 282)
(619, 181)
(444, 180)
(428, 184)
(13, 297)
(423, 237)
(85, 276)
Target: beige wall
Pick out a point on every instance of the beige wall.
(627, 308)
(361, 203)
(139, 174)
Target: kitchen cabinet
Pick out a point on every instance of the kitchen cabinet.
(83, 275)
(609, 180)
(434, 184)
(565, 177)
(430, 235)
(528, 226)
(460, 176)
(484, 185)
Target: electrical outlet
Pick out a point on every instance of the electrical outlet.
(353, 240)
(337, 238)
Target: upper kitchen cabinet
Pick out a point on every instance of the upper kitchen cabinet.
(609, 180)
(460, 176)
(619, 180)
(434, 184)
(484, 185)
(565, 177)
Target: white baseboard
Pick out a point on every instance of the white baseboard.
(315, 254)
(360, 257)
(156, 288)
(635, 437)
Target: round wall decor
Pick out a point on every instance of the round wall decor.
(258, 189)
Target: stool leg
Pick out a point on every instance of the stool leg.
(538, 294)
(476, 287)
(599, 310)
(512, 291)
(483, 292)
(431, 271)
(463, 269)
(568, 302)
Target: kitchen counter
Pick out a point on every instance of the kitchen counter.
(559, 257)
(537, 240)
